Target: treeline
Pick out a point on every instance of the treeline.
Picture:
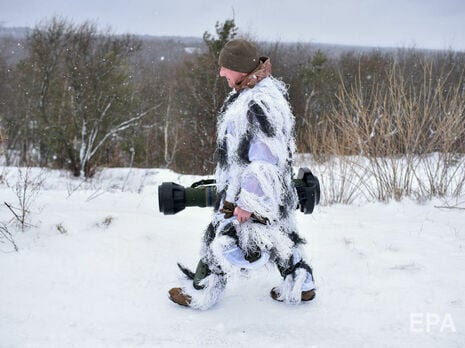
(81, 99)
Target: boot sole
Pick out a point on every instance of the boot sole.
(179, 304)
(177, 296)
(311, 295)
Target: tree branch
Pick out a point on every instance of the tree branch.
(122, 126)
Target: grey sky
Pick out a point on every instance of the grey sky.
(407, 23)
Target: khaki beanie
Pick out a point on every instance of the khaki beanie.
(239, 55)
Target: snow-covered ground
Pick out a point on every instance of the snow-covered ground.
(388, 275)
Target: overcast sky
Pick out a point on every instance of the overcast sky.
(436, 24)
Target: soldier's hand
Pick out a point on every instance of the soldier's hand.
(241, 214)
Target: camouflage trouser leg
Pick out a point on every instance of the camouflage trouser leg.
(209, 279)
(297, 274)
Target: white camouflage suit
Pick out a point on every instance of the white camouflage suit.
(255, 146)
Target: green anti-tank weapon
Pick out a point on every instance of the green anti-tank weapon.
(172, 197)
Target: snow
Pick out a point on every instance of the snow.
(388, 275)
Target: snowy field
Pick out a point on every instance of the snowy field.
(95, 268)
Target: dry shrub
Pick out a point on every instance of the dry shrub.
(395, 138)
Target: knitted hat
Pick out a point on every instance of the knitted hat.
(239, 55)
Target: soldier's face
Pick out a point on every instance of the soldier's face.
(233, 77)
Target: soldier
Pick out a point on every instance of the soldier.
(256, 223)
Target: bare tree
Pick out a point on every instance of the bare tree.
(26, 189)
(79, 81)
(6, 237)
(203, 97)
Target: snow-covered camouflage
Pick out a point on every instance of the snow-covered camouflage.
(255, 146)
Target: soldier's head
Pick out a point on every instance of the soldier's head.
(237, 59)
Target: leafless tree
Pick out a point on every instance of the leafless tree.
(26, 188)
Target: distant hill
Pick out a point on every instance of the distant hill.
(170, 48)
(14, 32)
(12, 44)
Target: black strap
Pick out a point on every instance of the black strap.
(203, 183)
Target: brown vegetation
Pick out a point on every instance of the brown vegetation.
(383, 124)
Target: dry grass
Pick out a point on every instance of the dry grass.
(394, 138)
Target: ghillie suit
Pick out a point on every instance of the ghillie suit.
(254, 153)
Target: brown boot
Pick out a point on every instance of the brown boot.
(179, 297)
(306, 295)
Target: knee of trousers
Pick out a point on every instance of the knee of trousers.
(294, 263)
(215, 253)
